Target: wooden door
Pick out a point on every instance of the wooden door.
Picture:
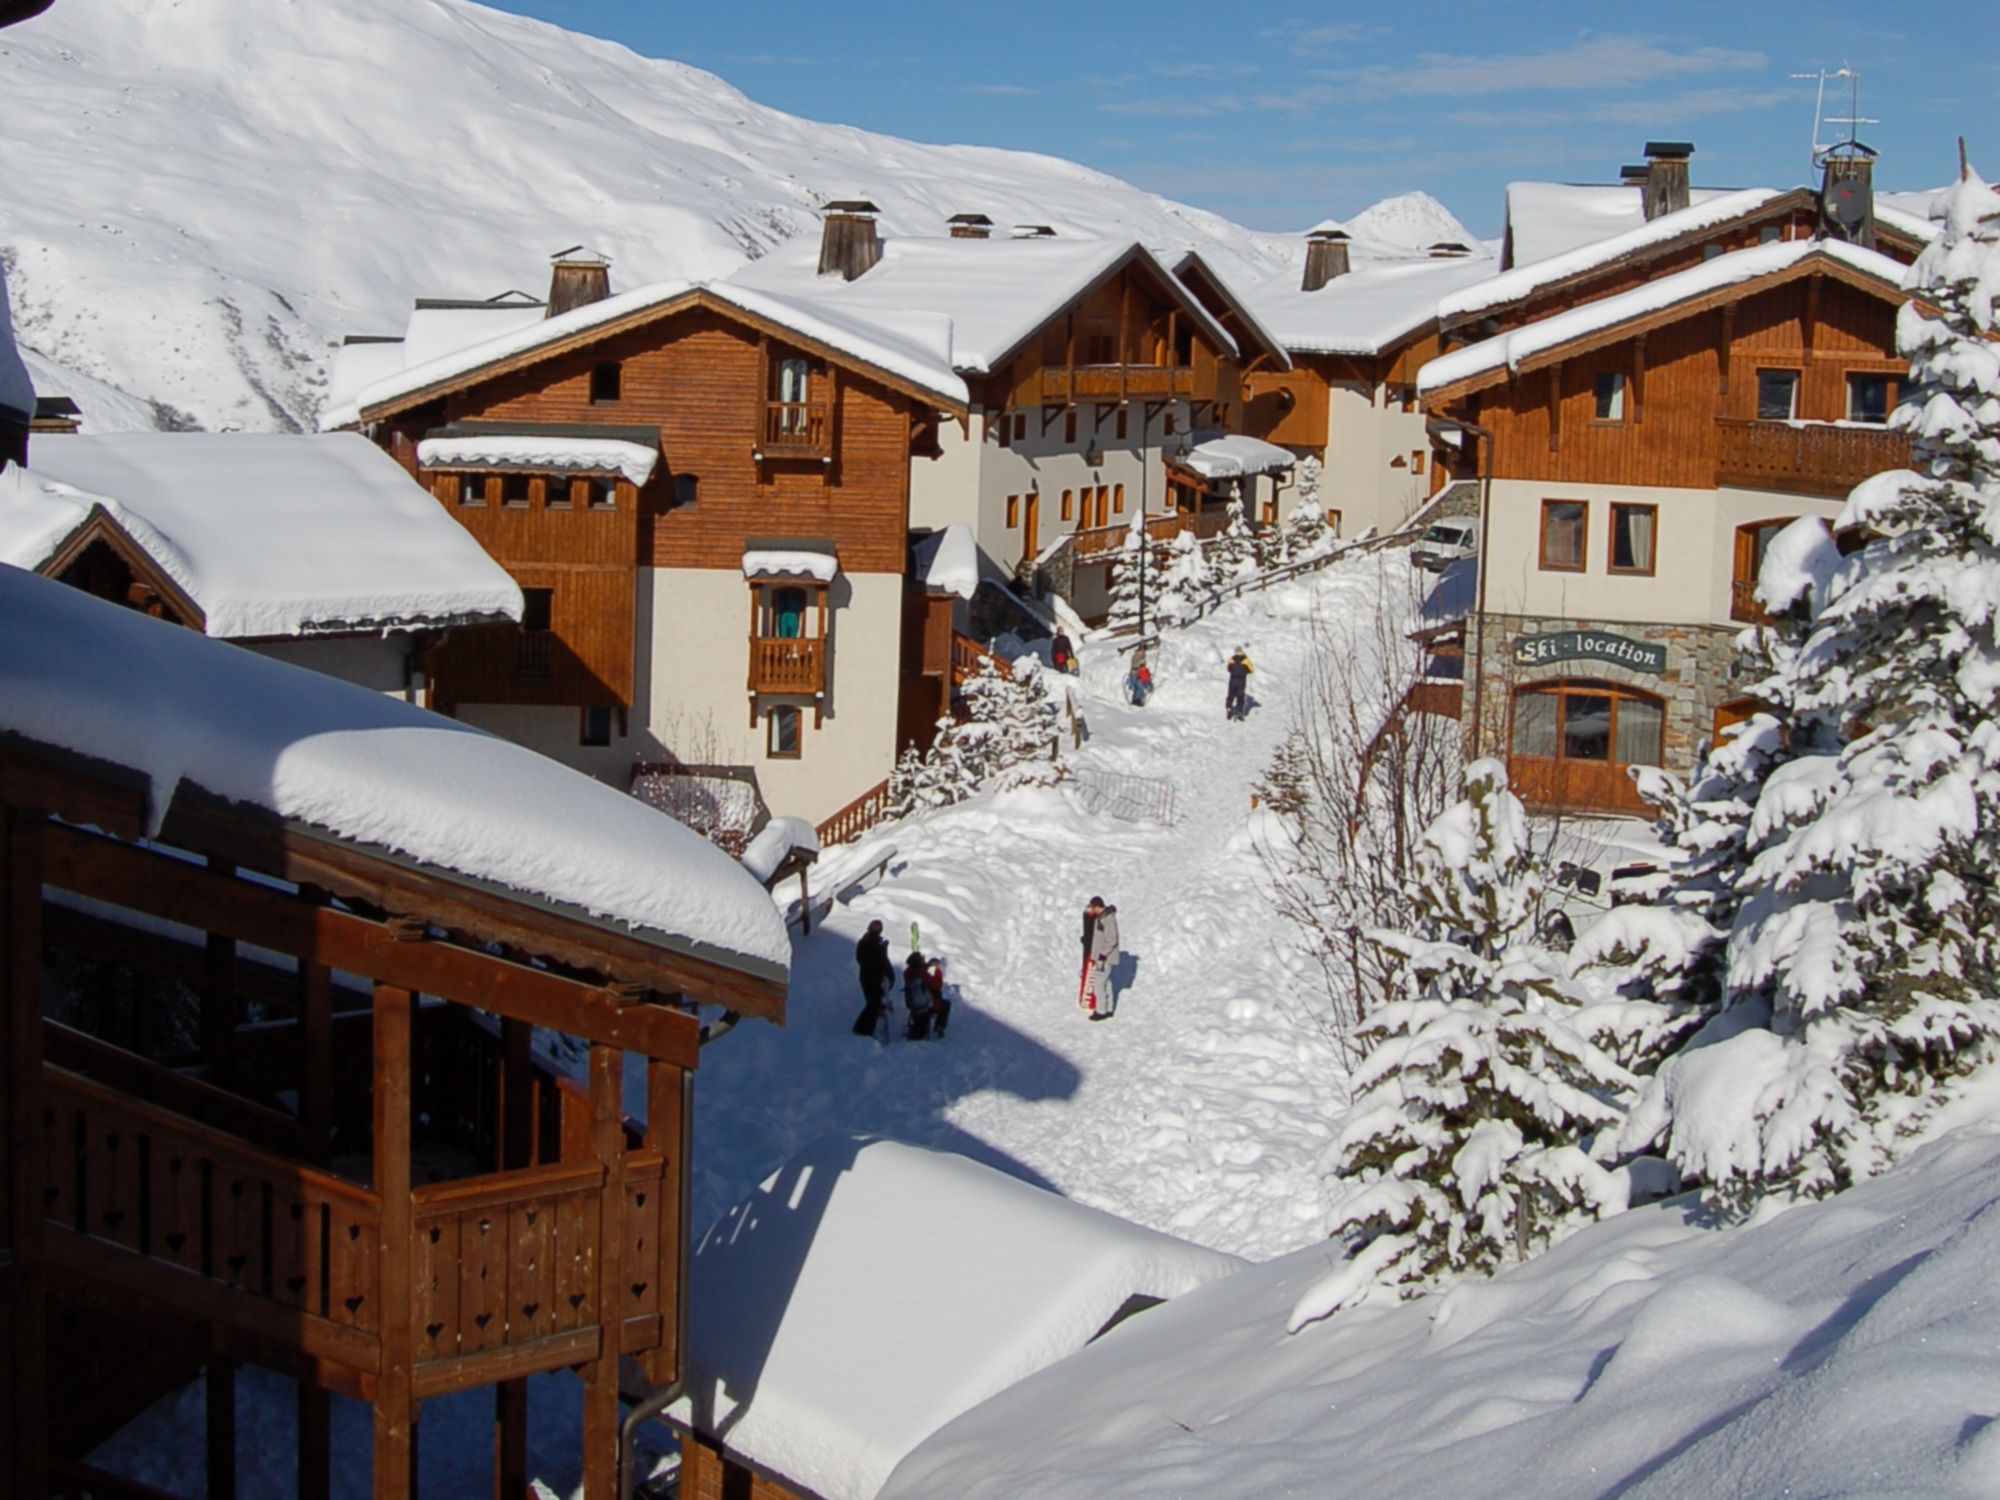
(1103, 505)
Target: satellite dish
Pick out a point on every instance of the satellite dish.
(1847, 204)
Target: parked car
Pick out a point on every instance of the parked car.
(1446, 542)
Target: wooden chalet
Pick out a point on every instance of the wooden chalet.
(271, 960)
(1638, 451)
(704, 493)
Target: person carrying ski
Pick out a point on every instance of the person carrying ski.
(1062, 655)
(1100, 956)
(916, 998)
(1237, 704)
(877, 974)
(940, 1006)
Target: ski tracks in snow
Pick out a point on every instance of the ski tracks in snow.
(1204, 1108)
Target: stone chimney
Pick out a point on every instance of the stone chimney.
(579, 277)
(1847, 195)
(1666, 187)
(970, 226)
(1326, 257)
(848, 243)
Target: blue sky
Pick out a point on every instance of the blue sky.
(1278, 116)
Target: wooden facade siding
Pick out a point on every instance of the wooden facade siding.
(1679, 442)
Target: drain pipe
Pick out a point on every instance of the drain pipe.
(1484, 465)
(657, 1402)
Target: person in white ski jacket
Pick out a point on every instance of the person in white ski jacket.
(1101, 954)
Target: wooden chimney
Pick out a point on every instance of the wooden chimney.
(1326, 257)
(578, 277)
(970, 226)
(1847, 195)
(1666, 186)
(848, 244)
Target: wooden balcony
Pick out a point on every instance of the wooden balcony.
(1067, 383)
(787, 665)
(1804, 458)
(795, 429)
(1100, 543)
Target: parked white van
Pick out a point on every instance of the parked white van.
(1446, 542)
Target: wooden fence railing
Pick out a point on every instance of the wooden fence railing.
(855, 819)
(787, 665)
(967, 654)
(1804, 458)
(795, 427)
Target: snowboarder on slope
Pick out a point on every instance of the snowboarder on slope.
(1237, 704)
(1100, 956)
(916, 998)
(1062, 655)
(877, 974)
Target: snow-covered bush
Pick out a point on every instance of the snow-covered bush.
(1189, 578)
(1860, 962)
(1008, 737)
(1132, 571)
(1306, 532)
(1468, 1143)
(1231, 553)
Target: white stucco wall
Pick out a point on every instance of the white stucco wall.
(1695, 561)
(371, 661)
(1366, 432)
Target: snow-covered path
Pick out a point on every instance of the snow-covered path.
(1204, 1107)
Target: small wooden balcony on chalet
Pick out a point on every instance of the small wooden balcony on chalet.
(794, 665)
(1100, 544)
(1804, 458)
(1073, 383)
(795, 429)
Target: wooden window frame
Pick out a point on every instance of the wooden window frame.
(559, 493)
(1333, 520)
(1893, 384)
(1582, 564)
(466, 497)
(1564, 688)
(615, 369)
(529, 593)
(583, 735)
(1013, 512)
(1798, 375)
(1120, 427)
(1006, 430)
(527, 500)
(1625, 394)
(1416, 461)
(1069, 428)
(1068, 504)
(1117, 498)
(687, 491)
(771, 717)
(1020, 427)
(1611, 540)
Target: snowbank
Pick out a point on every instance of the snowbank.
(779, 838)
(790, 562)
(1233, 455)
(505, 450)
(1845, 1348)
(1511, 350)
(269, 534)
(113, 685)
(868, 1292)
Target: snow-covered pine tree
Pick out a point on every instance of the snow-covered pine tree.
(1306, 532)
(1861, 963)
(1286, 785)
(1230, 554)
(1129, 572)
(1028, 722)
(1188, 578)
(1467, 1145)
(903, 783)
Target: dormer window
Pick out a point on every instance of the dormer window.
(607, 383)
(1611, 396)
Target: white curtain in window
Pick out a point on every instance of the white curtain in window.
(1639, 538)
(1535, 724)
(1640, 722)
(792, 380)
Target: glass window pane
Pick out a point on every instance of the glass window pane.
(1632, 538)
(785, 731)
(1868, 398)
(1611, 396)
(1640, 723)
(788, 611)
(1562, 534)
(1535, 723)
(1777, 395)
(1586, 726)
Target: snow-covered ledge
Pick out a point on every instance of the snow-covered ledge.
(790, 562)
(559, 455)
(1235, 455)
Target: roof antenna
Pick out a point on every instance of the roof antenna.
(1853, 119)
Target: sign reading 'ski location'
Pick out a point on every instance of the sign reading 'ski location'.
(1589, 645)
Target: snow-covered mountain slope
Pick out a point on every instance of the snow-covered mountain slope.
(1842, 1349)
(1407, 222)
(201, 195)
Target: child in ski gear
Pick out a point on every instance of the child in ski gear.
(1062, 655)
(1100, 956)
(878, 972)
(1139, 681)
(916, 998)
(1237, 704)
(940, 1006)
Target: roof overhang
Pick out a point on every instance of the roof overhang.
(1218, 337)
(99, 525)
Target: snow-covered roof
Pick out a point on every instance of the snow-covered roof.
(1909, 213)
(1548, 218)
(177, 709)
(914, 347)
(950, 561)
(780, 837)
(868, 1292)
(766, 561)
(17, 392)
(1511, 350)
(1370, 309)
(1524, 279)
(994, 293)
(508, 450)
(1230, 455)
(268, 534)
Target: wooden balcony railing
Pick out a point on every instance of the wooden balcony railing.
(1743, 603)
(1804, 458)
(787, 665)
(1113, 382)
(855, 819)
(1094, 544)
(795, 429)
(537, 650)
(142, 1188)
(966, 655)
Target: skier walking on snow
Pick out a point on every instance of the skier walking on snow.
(1062, 655)
(877, 974)
(1237, 704)
(1100, 956)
